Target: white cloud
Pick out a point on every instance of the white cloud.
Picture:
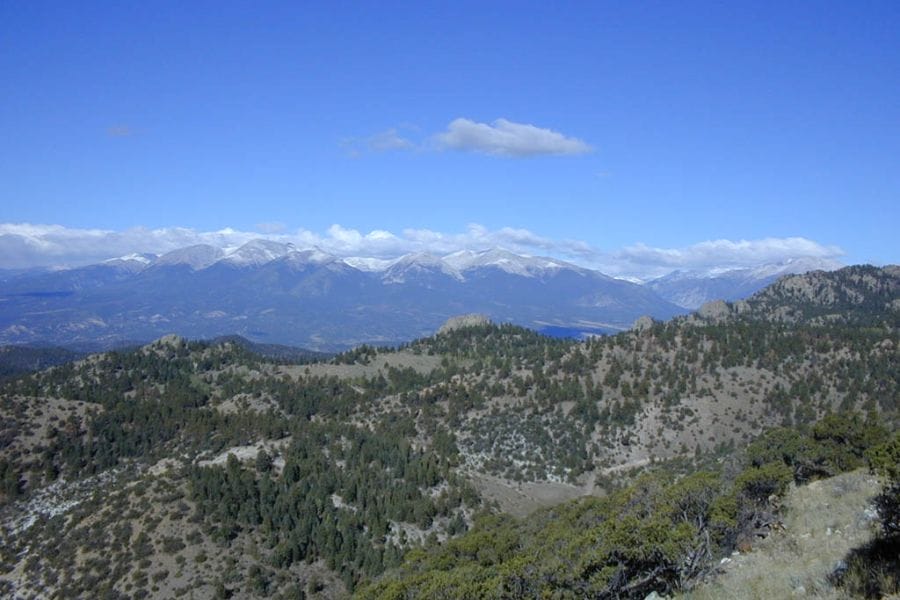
(505, 138)
(24, 245)
(500, 138)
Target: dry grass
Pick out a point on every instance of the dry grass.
(522, 499)
(823, 522)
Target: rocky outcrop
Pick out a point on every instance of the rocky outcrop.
(716, 311)
(472, 320)
(642, 324)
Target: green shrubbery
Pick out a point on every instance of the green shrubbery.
(658, 534)
(837, 443)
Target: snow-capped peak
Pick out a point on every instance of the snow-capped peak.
(369, 264)
(196, 257)
(691, 289)
(133, 263)
(257, 252)
(526, 266)
(312, 255)
(144, 259)
(791, 266)
(417, 263)
(794, 266)
(420, 258)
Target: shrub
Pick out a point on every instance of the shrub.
(884, 460)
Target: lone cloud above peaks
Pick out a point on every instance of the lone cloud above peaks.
(500, 138)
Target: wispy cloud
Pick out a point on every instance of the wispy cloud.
(120, 131)
(505, 138)
(25, 245)
(389, 140)
(271, 227)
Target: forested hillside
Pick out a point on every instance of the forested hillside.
(204, 468)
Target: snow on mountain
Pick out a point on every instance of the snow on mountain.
(796, 266)
(370, 264)
(301, 259)
(309, 297)
(417, 265)
(145, 259)
(131, 262)
(516, 264)
(792, 266)
(278, 292)
(196, 257)
(257, 252)
(691, 289)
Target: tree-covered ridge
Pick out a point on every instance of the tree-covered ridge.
(16, 360)
(536, 408)
(860, 295)
(526, 405)
(342, 494)
(142, 405)
(353, 495)
(498, 342)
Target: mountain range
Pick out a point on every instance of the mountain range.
(276, 293)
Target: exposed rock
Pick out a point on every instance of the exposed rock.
(642, 324)
(472, 320)
(171, 341)
(717, 310)
(165, 345)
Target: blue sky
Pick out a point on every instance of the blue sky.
(610, 125)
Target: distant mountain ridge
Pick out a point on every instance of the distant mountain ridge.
(276, 293)
(260, 252)
(691, 289)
